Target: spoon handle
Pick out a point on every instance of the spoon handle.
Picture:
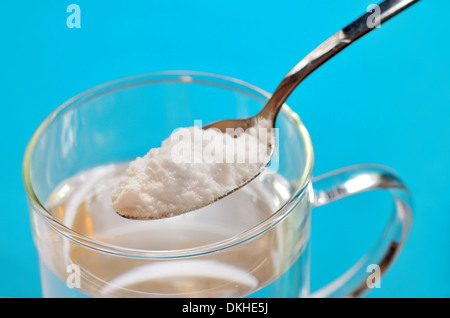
(330, 47)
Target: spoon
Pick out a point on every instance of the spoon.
(330, 47)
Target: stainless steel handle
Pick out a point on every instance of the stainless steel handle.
(330, 47)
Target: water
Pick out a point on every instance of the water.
(257, 268)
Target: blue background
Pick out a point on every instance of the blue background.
(385, 99)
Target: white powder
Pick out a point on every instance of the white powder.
(192, 168)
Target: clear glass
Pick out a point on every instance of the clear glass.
(254, 243)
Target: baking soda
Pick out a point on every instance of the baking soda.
(192, 168)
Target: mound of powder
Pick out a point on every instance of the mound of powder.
(192, 168)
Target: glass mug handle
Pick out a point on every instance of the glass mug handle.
(351, 180)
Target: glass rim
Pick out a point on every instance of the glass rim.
(178, 77)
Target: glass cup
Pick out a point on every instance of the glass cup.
(253, 243)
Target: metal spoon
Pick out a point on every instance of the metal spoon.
(330, 47)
